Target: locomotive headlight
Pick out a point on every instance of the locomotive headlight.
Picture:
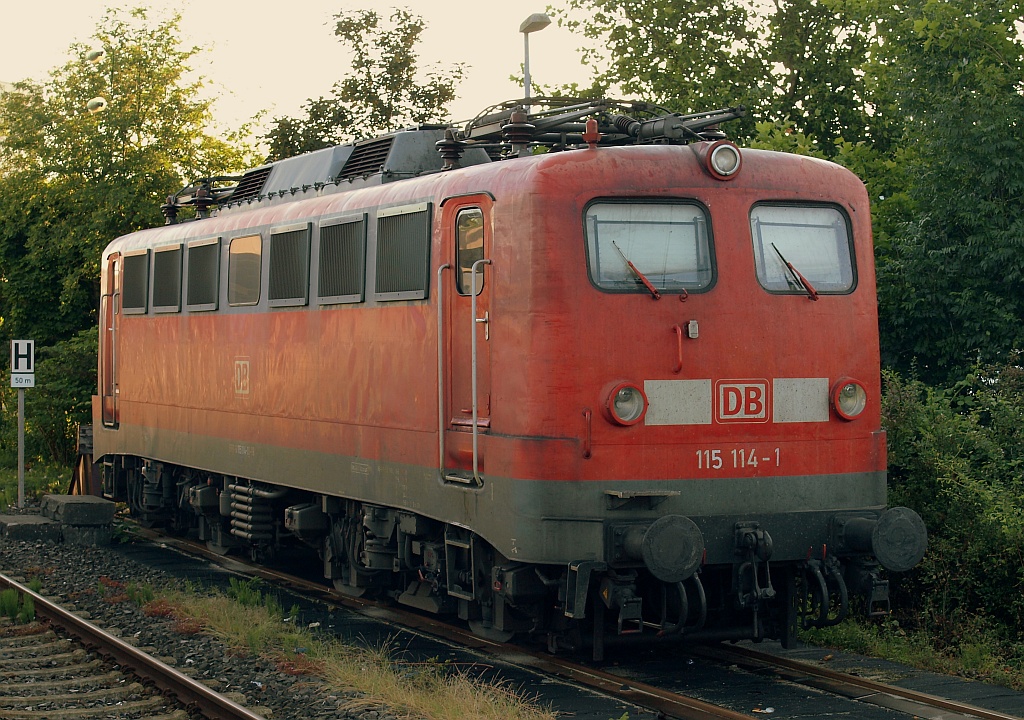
(849, 398)
(627, 404)
(721, 159)
(725, 159)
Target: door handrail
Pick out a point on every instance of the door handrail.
(440, 369)
(474, 321)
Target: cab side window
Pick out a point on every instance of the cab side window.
(469, 247)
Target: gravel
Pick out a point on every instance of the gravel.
(72, 575)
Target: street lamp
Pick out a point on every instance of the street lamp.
(537, 21)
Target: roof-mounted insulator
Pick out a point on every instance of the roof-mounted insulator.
(517, 133)
(203, 202)
(170, 211)
(450, 150)
(713, 132)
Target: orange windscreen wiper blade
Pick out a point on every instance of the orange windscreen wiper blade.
(804, 282)
(639, 275)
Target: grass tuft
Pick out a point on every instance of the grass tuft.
(983, 655)
(250, 622)
(19, 609)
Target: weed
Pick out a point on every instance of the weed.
(140, 594)
(27, 613)
(158, 608)
(40, 479)
(246, 593)
(9, 603)
(249, 624)
(19, 609)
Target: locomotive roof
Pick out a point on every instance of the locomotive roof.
(502, 132)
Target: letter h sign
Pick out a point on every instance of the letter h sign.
(23, 363)
(23, 356)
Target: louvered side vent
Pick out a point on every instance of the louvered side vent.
(367, 158)
(251, 184)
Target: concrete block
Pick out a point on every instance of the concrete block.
(78, 509)
(30, 528)
(87, 535)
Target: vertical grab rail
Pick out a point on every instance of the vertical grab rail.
(475, 320)
(679, 349)
(440, 368)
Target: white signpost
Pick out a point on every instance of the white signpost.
(23, 375)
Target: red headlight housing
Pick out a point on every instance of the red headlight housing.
(626, 404)
(849, 398)
(721, 159)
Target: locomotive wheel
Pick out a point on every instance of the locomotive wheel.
(344, 588)
(488, 632)
(216, 548)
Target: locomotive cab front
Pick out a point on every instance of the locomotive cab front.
(711, 343)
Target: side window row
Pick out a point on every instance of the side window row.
(399, 265)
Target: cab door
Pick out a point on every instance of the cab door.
(110, 301)
(467, 294)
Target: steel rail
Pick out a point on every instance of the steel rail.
(190, 692)
(670, 704)
(665, 702)
(833, 681)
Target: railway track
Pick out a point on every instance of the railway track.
(645, 695)
(912, 702)
(61, 666)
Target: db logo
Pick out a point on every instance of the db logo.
(742, 401)
(241, 376)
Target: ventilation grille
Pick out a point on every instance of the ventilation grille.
(341, 261)
(135, 283)
(167, 280)
(289, 266)
(203, 274)
(403, 248)
(367, 158)
(251, 185)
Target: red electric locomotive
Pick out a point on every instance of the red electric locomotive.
(588, 372)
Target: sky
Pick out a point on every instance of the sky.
(303, 57)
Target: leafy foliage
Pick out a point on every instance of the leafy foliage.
(384, 90)
(957, 456)
(952, 288)
(71, 181)
(687, 55)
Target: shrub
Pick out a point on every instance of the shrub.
(956, 456)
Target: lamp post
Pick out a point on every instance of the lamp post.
(537, 21)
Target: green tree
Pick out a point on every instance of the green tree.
(682, 54)
(385, 89)
(796, 66)
(952, 282)
(71, 181)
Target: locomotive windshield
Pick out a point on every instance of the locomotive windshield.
(667, 244)
(814, 240)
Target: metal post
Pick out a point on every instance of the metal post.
(526, 65)
(537, 21)
(21, 448)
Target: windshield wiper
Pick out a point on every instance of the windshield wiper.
(639, 275)
(804, 284)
